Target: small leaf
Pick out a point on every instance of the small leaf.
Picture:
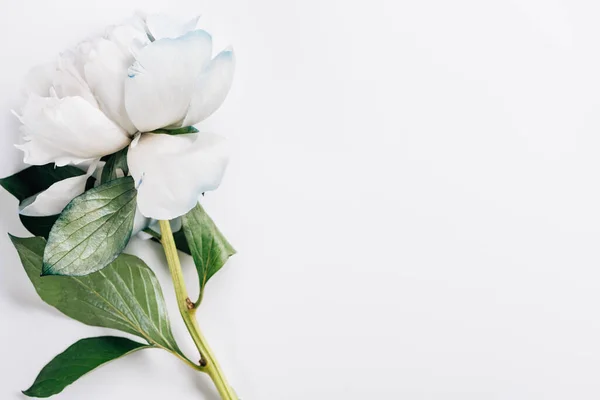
(36, 179)
(115, 162)
(210, 250)
(79, 359)
(125, 295)
(179, 131)
(92, 230)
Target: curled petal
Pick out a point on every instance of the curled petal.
(211, 88)
(160, 83)
(54, 199)
(162, 26)
(172, 171)
(68, 130)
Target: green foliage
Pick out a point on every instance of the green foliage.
(210, 250)
(178, 131)
(79, 359)
(114, 162)
(125, 295)
(92, 230)
(36, 179)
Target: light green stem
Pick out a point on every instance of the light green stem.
(187, 310)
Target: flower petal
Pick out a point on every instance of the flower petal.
(60, 77)
(163, 26)
(54, 199)
(211, 88)
(161, 81)
(129, 37)
(140, 223)
(105, 72)
(68, 130)
(172, 171)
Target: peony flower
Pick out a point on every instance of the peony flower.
(111, 92)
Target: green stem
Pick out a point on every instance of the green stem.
(187, 310)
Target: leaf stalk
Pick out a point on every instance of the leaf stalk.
(208, 362)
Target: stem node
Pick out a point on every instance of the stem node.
(187, 309)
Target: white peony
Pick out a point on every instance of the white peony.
(151, 73)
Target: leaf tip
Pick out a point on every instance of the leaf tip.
(29, 392)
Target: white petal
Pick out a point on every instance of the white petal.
(163, 26)
(54, 199)
(211, 88)
(68, 80)
(130, 37)
(172, 171)
(67, 130)
(140, 222)
(61, 78)
(105, 72)
(161, 82)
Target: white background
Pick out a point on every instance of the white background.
(413, 193)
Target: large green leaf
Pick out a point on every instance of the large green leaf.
(210, 250)
(115, 162)
(125, 295)
(92, 230)
(36, 179)
(79, 359)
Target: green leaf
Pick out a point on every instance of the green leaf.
(125, 295)
(36, 179)
(180, 241)
(179, 131)
(38, 226)
(79, 359)
(115, 162)
(92, 230)
(210, 250)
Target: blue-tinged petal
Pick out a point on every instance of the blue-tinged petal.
(171, 172)
(160, 83)
(211, 88)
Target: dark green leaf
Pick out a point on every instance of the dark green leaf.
(210, 250)
(36, 179)
(115, 162)
(92, 230)
(180, 241)
(125, 295)
(179, 131)
(79, 359)
(38, 226)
